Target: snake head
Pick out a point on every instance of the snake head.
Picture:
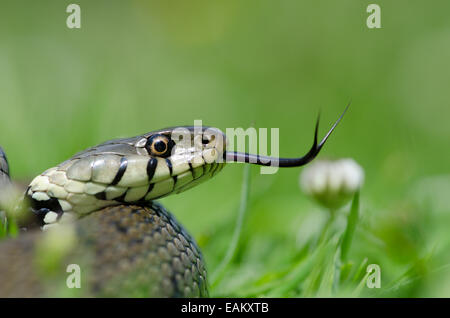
(131, 170)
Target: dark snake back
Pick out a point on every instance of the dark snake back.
(123, 251)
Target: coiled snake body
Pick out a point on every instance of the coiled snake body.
(126, 243)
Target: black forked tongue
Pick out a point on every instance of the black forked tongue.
(232, 156)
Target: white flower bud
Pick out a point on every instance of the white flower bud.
(332, 183)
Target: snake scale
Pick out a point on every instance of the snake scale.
(103, 198)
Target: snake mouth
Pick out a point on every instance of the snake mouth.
(233, 156)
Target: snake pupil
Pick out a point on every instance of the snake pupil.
(160, 146)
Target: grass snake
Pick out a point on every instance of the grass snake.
(125, 242)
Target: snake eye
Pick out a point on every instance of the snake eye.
(159, 145)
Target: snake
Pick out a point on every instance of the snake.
(126, 243)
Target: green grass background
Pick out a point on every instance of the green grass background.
(136, 66)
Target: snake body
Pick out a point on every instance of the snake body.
(123, 251)
(126, 243)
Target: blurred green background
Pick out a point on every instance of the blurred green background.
(136, 66)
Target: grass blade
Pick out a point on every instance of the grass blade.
(219, 272)
(352, 220)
